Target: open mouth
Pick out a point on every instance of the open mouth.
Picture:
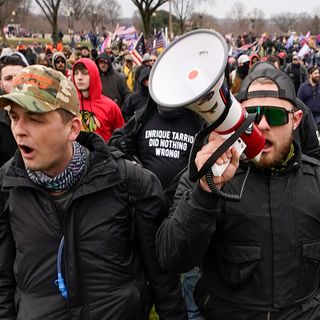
(268, 144)
(25, 149)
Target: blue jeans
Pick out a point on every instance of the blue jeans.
(189, 280)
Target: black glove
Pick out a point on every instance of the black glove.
(127, 146)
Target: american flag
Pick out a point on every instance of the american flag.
(159, 41)
(127, 32)
(139, 50)
(106, 43)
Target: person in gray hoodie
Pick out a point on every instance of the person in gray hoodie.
(59, 62)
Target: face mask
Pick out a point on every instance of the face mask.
(243, 70)
(171, 113)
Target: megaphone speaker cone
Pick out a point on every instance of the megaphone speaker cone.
(188, 68)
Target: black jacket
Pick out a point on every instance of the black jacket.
(262, 253)
(8, 144)
(109, 253)
(114, 84)
(137, 99)
(307, 134)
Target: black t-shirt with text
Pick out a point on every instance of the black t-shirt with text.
(163, 145)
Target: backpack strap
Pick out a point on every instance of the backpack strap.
(4, 193)
(129, 171)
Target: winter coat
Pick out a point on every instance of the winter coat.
(261, 253)
(137, 99)
(108, 254)
(99, 113)
(114, 84)
(8, 144)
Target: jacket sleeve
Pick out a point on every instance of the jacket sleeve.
(124, 137)
(117, 118)
(165, 286)
(7, 254)
(127, 108)
(183, 237)
(307, 135)
(124, 90)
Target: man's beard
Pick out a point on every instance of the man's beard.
(279, 154)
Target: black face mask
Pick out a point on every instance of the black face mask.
(171, 113)
(243, 70)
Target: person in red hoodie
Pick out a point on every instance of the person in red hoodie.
(99, 113)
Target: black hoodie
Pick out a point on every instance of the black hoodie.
(113, 84)
(137, 99)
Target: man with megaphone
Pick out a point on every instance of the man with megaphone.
(259, 257)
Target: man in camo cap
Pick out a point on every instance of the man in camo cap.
(66, 242)
(40, 89)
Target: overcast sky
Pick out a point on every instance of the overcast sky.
(221, 7)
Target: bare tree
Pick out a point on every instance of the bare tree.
(315, 25)
(239, 14)
(146, 9)
(50, 9)
(94, 13)
(6, 8)
(184, 9)
(284, 21)
(257, 21)
(112, 11)
(78, 7)
(23, 10)
(303, 22)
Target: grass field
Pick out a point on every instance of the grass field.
(13, 42)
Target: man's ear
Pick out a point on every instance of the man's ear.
(297, 117)
(75, 128)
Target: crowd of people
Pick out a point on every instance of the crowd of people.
(99, 218)
(302, 66)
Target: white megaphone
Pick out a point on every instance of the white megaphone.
(190, 72)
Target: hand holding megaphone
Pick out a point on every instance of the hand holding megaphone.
(229, 160)
(192, 72)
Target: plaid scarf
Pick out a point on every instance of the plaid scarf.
(66, 179)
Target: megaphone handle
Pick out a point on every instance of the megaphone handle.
(194, 174)
(198, 143)
(224, 195)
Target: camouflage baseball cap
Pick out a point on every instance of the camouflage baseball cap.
(41, 89)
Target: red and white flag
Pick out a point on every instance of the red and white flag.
(139, 50)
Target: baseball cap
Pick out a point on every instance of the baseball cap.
(243, 58)
(41, 89)
(284, 84)
(5, 52)
(146, 57)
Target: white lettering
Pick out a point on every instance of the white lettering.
(153, 142)
(162, 152)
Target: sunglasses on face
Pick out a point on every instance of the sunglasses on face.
(275, 116)
(59, 61)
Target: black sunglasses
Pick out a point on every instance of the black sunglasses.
(59, 61)
(276, 116)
